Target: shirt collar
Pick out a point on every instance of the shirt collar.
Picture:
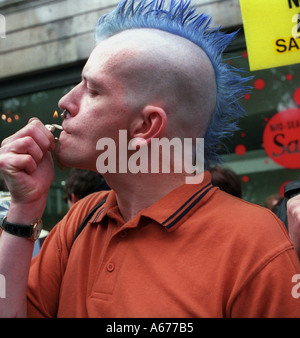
(174, 208)
(170, 211)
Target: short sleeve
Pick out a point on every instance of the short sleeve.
(268, 294)
(45, 277)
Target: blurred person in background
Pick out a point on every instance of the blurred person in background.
(289, 212)
(80, 183)
(272, 200)
(227, 180)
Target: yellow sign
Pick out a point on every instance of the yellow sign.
(272, 31)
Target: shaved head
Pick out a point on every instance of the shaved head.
(160, 68)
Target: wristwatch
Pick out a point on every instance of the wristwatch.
(31, 231)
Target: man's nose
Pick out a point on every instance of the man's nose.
(71, 101)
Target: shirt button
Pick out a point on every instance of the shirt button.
(123, 234)
(110, 267)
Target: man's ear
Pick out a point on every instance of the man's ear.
(150, 124)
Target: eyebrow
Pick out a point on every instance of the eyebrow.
(97, 85)
(88, 79)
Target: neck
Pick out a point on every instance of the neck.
(137, 192)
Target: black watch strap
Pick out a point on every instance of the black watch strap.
(19, 230)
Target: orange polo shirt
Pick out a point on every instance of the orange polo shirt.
(197, 252)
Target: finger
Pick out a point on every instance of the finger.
(26, 145)
(15, 163)
(38, 132)
(20, 133)
(22, 154)
(34, 127)
(33, 119)
(38, 124)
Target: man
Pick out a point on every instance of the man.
(154, 246)
(293, 216)
(289, 212)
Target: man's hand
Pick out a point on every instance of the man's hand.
(27, 168)
(293, 214)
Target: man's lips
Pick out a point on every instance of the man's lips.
(65, 129)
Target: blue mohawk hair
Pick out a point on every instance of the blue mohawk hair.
(180, 18)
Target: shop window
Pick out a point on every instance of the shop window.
(274, 90)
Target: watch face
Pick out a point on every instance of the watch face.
(37, 230)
